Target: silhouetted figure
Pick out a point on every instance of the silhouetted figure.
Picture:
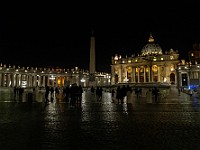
(79, 93)
(156, 92)
(47, 90)
(52, 93)
(66, 93)
(21, 91)
(113, 92)
(73, 94)
(99, 91)
(92, 89)
(138, 92)
(118, 94)
(57, 92)
(123, 92)
(179, 91)
(15, 92)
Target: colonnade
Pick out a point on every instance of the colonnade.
(30, 80)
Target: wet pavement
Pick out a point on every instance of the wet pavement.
(171, 124)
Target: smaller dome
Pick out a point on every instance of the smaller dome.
(151, 48)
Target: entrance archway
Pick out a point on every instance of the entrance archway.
(172, 78)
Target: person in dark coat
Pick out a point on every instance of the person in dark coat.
(92, 89)
(118, 94)
(123, 92)
(155, 93)
(47, 90)
(99, 91)
(79, 93)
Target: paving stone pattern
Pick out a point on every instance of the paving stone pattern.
(171, 124)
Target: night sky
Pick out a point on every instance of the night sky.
(62, 39)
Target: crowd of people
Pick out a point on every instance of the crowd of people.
(121, 92)
(125, 91)
(71, 94)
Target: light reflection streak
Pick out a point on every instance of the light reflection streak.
(52, 117)
(105, 110)
(195, 103)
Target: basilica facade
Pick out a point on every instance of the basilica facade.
(152, 65)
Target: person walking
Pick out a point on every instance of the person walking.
(118, 93)
(92, 89)
(66, 92)
(79, 93)
(123, 92)
(47, 90)
(155, 92)
(99, 93)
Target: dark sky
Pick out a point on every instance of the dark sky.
(62, 38)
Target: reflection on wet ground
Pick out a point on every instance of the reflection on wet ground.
(174, 123)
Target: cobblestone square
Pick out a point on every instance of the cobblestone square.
(173, 123)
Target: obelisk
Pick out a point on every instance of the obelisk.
(92, 54)
(92, 60)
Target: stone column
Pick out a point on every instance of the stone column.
(144, 74)
(133, 75)
(0, 79)
(19, 80)
(39, 81)
(180, 79)
(31, 80)
(138, 74)
(28, 80)
(8, 80)
(188, 78)
(121, 74)
(199, 76)
(151, 74)
(13, 80)
(56, 79)
(43, 81)
(3, 80)
(112, 75)
(48, 80)
(16, 80)
(158, 73)
(35, 80)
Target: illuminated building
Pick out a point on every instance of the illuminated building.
(189, 72)
(39, 77)
(151, 66)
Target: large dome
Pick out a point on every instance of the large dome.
(151, 48)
